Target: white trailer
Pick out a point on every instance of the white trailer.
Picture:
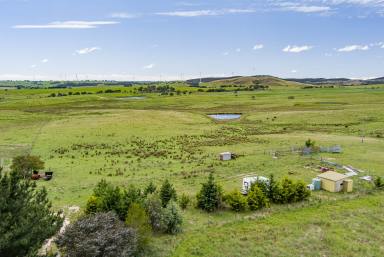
(248, 181)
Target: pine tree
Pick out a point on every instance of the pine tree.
(167, 193)
(26, 218)
(210, 196)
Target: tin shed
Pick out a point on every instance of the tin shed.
(332, 181)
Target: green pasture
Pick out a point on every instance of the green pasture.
(89, 137)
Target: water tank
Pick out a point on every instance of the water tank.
(316, 183)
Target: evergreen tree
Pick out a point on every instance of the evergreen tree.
(237, 201)
(273, 190)
(26, 218)
(257, 199)
(138, 219)
(150, 189)
(172, 218)
(167, 193)
(301, 192)
(210, 196)
(155, 212)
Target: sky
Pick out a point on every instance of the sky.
(172, 40)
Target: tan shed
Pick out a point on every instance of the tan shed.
(332, 181)
(348, 185)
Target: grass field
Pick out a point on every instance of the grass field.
(85, 138)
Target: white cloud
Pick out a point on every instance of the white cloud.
(297, 49)
(149, 66)
(258, 46)
(351, 48)
(225, 53)
(238, 50)
(33, 66)
(198, 13)
(293, 71)
(44, 60)
(123, 15)
(87, 50)
(67, 25)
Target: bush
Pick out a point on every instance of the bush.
(172, 218)
(379, 183)
(257, 199)
(26, 218)
(273, 190)
(287, 192)
(210, 196)
(184, 201)
(301, 192)
(310, 143)
(138, 219)
(237, 201)
(167, 193)
(102, 234)
(155, 212)
(93, 205)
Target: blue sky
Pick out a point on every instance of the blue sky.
(152, 40)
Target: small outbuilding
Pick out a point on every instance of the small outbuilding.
(334, 182)
(226, 156)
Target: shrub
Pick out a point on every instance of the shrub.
(137, 218)
(172, 218)
(273, 190)
(184, 201)
(301, 192)
(310, 143)
(26, 218)
(210, 196)
(287, 192)
(167, 193)
(93, 205)
(256, 199)
(155, 212)
(102, 234)
(379, 183)
(237, 201)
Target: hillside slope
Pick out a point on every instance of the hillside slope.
(252, 81)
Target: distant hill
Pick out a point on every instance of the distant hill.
(339, 81)
(261, 81)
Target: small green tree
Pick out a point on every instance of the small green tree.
(26, 164)
(236, 200)
(210, 196)
(26, 217)
(155, 212)
(184, 201)
(379, 183)
(301, 192)
(256, 199)
(172, 218)
(137, 218)
(93, 205)
(150, 189)
(287, 192)
(167, 193)
(273, 190)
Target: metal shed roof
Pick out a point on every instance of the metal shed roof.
(333, 176)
